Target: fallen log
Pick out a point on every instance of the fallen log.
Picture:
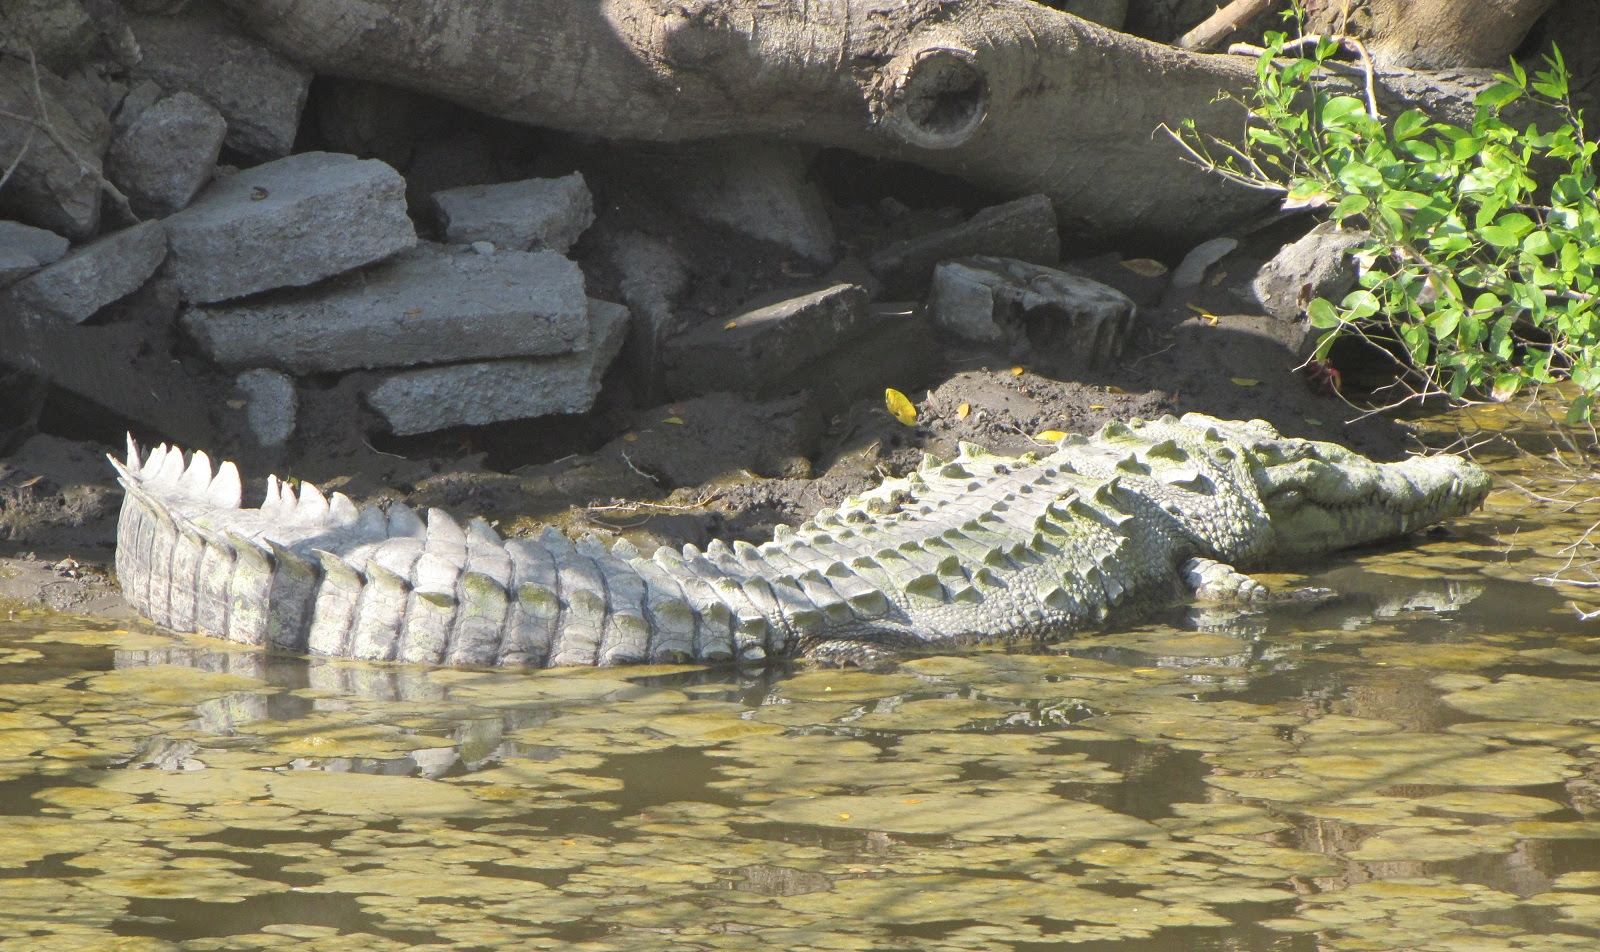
(1009, 94)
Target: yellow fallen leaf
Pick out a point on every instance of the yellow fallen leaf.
(730, 325)
(912, 800)
(1016, 371)
(1115, 389)
(1097, 406)
(673, 419)
(630, 437)
(844, 816)
(899, 407)
(1149, 267)
(963, 410)
(1244, 381)
(1205, 315)
(1049, 436)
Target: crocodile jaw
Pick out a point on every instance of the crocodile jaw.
(1322, 497)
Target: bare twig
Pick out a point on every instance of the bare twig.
(1348, 42)
(1218, 25)
(22, 153)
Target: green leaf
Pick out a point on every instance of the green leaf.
(1410, 123)
(1538, 243)
(1350, 205)
(1322, 314)
(1339, 109)
(1465, 148)
(1359, 176)
(1498, 235)
(1410, 201)
(1360, 304)
(1498, 96)
(1580, 409)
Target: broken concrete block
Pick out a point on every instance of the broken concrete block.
(83, 282)
(421, 401)
(766, 344)
(1318, 265)
(994, 299)
(270, 405)
(533, 213)
(204, 51)
(15, 264)
(1024, 229)
(288, 223)
(42, 245)
(166, 154)
(758, 189)
(428, 306)
(24, 250)
(50, 187)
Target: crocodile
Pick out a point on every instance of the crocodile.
(977, 548)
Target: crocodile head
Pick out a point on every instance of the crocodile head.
(1321, 496)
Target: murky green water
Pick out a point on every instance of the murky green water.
(1416, 766)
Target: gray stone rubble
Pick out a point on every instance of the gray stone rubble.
(288, 223)
(533, 213)
(206, 52)
(419, 401)
(74, 288)
(194, 251)
(162, 156)
(429, 305)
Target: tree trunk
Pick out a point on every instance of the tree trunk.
(1006, 93)
(1431, 34)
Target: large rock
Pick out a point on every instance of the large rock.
(428, 306)
(205, 52)
(51, 187)
(421, 401)
(83, 282)
(287, 224)
(533, 213)
(993, 300)
(165, 154)
(1318, 265)
(58, 32)
(761, 347)
(1024, 229)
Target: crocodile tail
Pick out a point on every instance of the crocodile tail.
(310, 573)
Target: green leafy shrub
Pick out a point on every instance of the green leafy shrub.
(1485, 241)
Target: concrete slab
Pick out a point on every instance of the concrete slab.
(533, 213)
(88, 279)
(44, 246)
(288, 223)
(421, 401)
(428, 306)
